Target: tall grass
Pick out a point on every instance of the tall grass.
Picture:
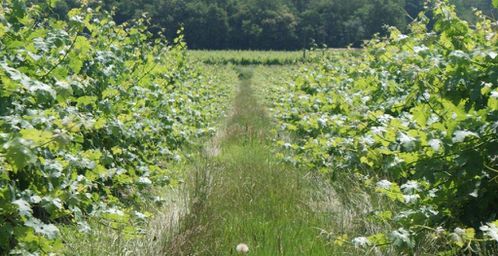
(245, 195)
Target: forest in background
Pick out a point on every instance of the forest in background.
(276, 24)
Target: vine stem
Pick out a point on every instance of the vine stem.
(61, 59)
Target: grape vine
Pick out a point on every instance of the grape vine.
(90, 114)
(415, 118)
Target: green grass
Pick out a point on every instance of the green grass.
(245, 195)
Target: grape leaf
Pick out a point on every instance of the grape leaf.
(24, 207)
(48, 230)
(37, 136)
(19, 153)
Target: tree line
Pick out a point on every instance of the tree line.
(275, 24)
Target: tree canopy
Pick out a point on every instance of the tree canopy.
(276, 24)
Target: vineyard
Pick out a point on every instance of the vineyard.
(114, 141)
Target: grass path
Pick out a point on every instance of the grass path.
(240, 193)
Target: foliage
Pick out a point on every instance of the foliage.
(90, 115)
(415, 117)
(276, 24)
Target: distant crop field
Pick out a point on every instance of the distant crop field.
(245, 57)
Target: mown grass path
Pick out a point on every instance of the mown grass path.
(240, 193)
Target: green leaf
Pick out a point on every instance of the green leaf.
(24, 207)
(75, 63)
(420, 114)
(385, 215)
(495, 3)
(378, 239)
(19, 153)
(470, 233)
(110, 93)
(3, 30)
(53, 3)
(86, 101)
(32, 85)
(93, 155)
(38, 137)
(82, 46)
(493, 103)
(48, 230)
(100, 123)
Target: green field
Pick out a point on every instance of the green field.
(115, 142)
(246, 57)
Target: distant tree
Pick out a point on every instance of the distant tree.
(311, 28)
(275, 24)
(206, 26)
